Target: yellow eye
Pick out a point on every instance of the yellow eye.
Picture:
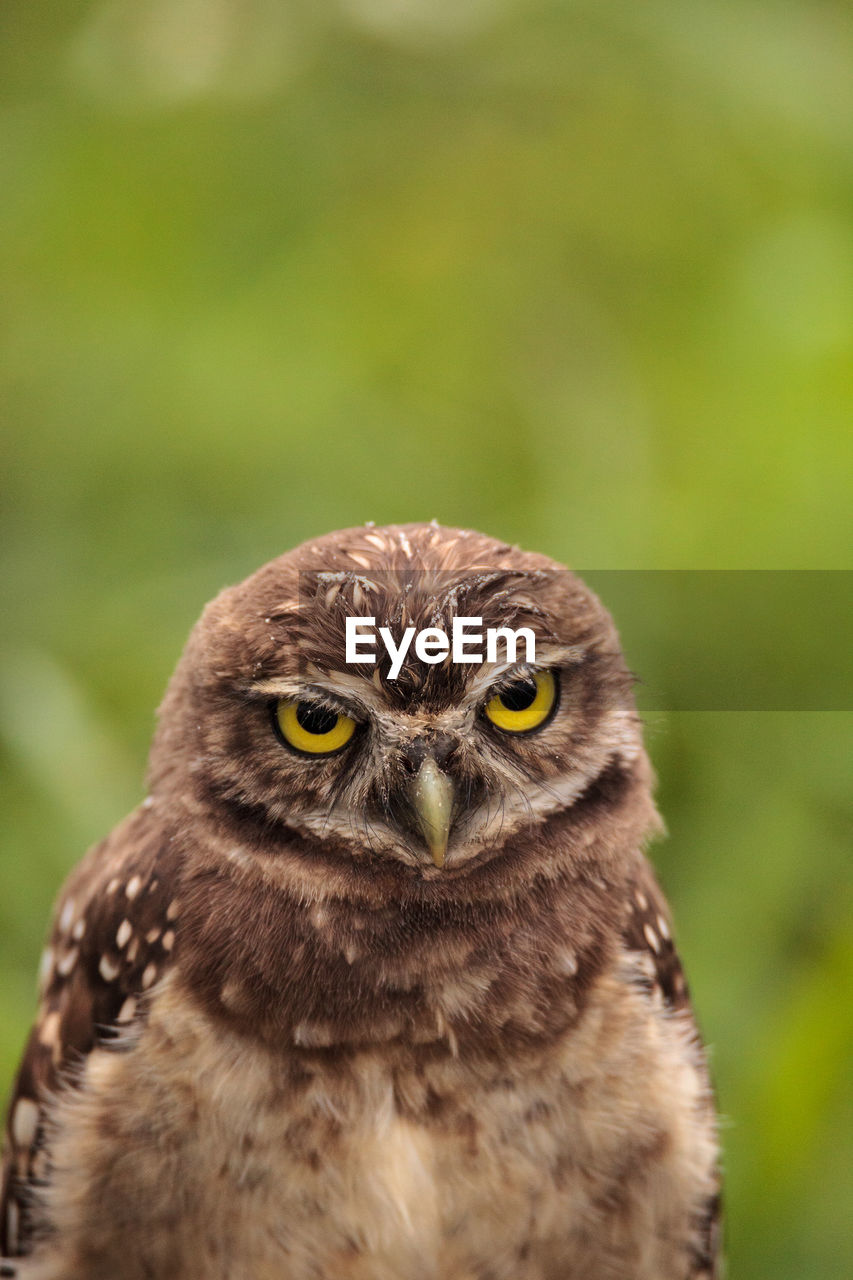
(525, 704)
(311, 728)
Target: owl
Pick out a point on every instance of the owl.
(376, 983)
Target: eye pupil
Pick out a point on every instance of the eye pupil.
(315, 719)
(519, 695)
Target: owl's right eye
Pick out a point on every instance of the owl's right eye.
(311, 728)
(525, 704)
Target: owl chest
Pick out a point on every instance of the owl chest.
(348, 1175)
(383, 1192)
(224, 1161)
(195, 1152)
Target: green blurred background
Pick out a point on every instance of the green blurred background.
(577, 274)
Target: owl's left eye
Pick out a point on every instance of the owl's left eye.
(312, 728)
(524, 704)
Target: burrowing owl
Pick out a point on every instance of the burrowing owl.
(377, 983)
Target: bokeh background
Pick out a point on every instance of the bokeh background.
(576, 273)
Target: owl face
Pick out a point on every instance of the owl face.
(268, 726)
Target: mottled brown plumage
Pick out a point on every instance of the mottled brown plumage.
(277, 1038)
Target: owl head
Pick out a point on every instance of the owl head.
(389, 751)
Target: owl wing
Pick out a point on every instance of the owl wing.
(647, 937)
(112, 936)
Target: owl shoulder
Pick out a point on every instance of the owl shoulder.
(113, 934)
(647, 938)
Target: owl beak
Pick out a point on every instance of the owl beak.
(431, 794)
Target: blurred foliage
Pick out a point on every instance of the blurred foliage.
(578, 274)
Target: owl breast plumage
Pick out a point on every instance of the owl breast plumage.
(377, 981)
